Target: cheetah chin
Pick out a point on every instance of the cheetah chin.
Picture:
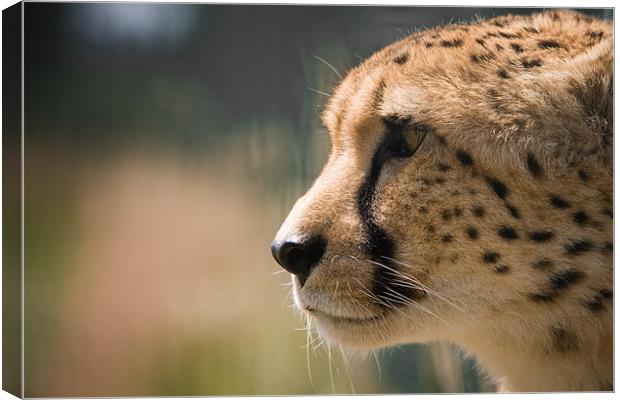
(468, 198)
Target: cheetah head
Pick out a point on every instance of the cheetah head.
(467, 196)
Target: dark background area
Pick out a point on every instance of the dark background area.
(91, 67)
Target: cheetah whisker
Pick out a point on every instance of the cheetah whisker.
(308, 337)
(416, 284)
(317, 91)
(329, 65)
(347, 368)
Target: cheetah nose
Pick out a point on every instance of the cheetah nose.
(299, 257)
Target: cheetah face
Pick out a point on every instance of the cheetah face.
(456, 195)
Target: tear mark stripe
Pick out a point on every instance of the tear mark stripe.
(378, 244)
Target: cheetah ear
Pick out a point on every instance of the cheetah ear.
(589, 80)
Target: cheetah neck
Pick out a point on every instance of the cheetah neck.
(526, 364)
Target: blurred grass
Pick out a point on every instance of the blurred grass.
(151, 275)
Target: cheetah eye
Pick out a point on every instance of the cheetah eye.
(404, 137)
(413, 136)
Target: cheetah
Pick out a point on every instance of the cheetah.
(468, 199)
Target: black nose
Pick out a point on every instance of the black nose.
(301, 257)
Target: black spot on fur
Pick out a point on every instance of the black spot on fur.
(430, 228)
(442, 140)
(498, 187)
(558, 202)
(608, 247)
(451, 43)
(533, 166)
(507, 35)
(578, 247)
(482, 57)
(443, 167)
(480, 41)
(535, 62)
(478, 211)
(447, 238)
(542, 297)
(583, 175)
(490, 257)
(428, 45)
(563, 340)
(563, 280)
(548, 44)
(580, 217)
(597, 35)
(464, 158)
(507, 233)
(609, 213)
(458, 211)
(440, 180)
(595, 304)
(514, 212)
(557, 283)
(502, 73)
(541, 236)
(446, 215)
(543, 264)
(498, 24)
(502, 269)
(401, 59)
(423, 210)
(516, 47)
(472, 232)
(498, 47)
(606, 294)
(530, 29)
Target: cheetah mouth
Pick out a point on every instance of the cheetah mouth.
(339, 319)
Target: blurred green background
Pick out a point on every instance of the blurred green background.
(164, 145)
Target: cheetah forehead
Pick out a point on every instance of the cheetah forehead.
(510, 85)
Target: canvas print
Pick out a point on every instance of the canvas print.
(295, 200)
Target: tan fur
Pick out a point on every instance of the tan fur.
(499, 90)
